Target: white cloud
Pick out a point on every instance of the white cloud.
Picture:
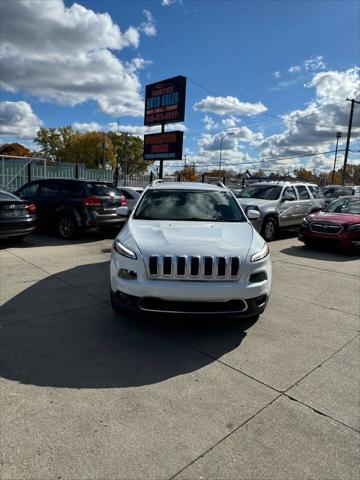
(313, 129)
(209, 123)
(295, 69)
(246, 135)
(65, 54)
(87, 126)
(230, 140)
(229, 105)
(230, 121)
(148, 27)
(277, 74)
(315, 63)
(137, 130)
(167, 3)
(18, 120)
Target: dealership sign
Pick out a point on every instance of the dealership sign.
(165, 101)
(163, 146)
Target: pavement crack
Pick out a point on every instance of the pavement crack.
(293, 399)
(224, 438)
(318, 304)
(215, 359)
(322, 363)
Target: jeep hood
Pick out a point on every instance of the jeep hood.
(191, 238)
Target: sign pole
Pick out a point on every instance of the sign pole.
(161, 170)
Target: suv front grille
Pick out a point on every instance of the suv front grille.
(193, 267)
(326, 227)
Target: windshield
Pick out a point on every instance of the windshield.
(197, 206)
(344, 205)
(268, 192)
(102, 190)
(335, 192)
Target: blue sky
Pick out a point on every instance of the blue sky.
(270, 77)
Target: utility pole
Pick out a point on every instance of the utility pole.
(161, 167)
(353, 101)
(221, 142)
(338, 135)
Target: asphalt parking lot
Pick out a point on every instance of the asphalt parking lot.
(87, 394)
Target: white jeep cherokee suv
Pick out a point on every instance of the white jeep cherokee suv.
(189, 248)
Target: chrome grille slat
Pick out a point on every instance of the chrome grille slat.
(196, 267)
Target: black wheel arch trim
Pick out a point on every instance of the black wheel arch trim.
(68, 210)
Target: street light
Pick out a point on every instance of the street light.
(221, 142)
(338, 135)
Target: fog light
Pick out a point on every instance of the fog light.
(355, 242)
(258, 277)
(127, 274)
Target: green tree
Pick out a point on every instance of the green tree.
(128, 151)
(49, 141)
(93, 149)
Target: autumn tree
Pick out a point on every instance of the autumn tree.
(49, 141)
(93, 149)
(259, 173)
(188, 173)
(15, 149)
(129, 151)
(306, 175)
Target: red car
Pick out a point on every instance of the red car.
(338, 223)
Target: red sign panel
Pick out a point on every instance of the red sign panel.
(165, 101)
(163, 146)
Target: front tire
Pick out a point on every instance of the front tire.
(308, 243)
(115, 303)
(269, 229)
(67, 227)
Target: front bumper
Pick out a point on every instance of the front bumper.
(345, 239)
(188, 296)
(242, 308)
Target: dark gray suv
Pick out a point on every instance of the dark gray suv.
(72, 206)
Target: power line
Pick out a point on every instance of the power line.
(276, 117)
(266, 160)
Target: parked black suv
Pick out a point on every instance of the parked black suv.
(72, 206)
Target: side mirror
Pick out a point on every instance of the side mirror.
(122, 211)
(288, 198)
(315, 209)
(253, 214)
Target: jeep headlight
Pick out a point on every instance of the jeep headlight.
(123, 250)
(264, 252)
